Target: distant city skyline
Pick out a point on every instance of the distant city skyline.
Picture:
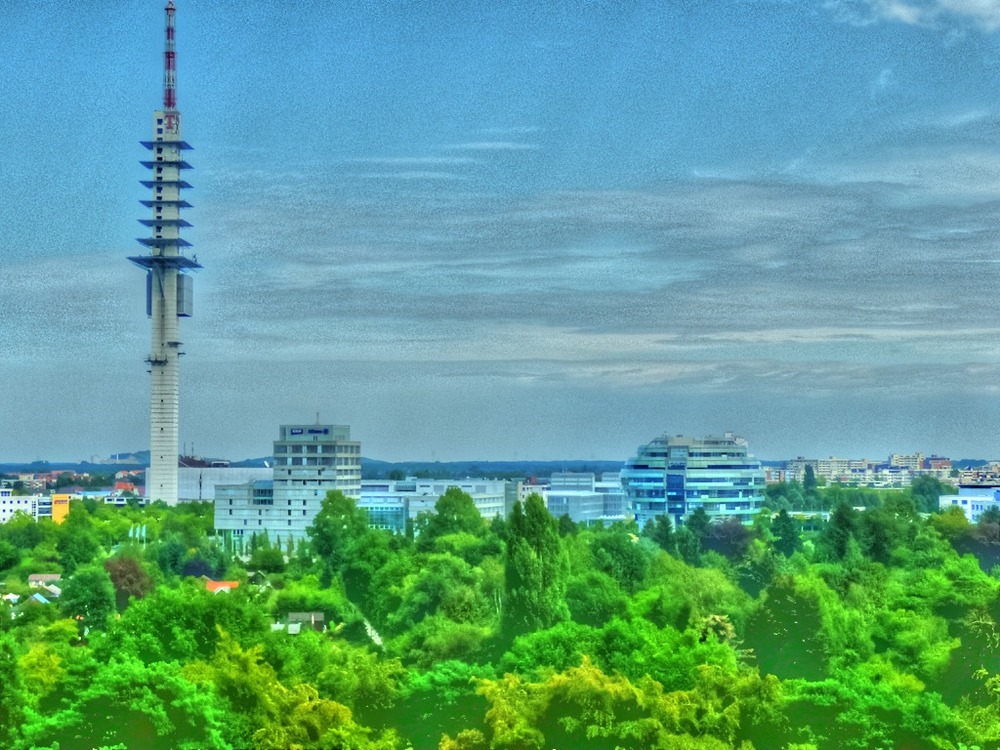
(534, 231)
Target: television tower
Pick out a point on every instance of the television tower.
(169, 289)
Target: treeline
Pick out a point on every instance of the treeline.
(811, 495)
(530, 633)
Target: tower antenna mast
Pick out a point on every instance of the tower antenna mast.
(169, 287)
(170, 63)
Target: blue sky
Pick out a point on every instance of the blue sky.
(498, 230)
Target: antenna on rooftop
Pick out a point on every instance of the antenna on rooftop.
(169, 66)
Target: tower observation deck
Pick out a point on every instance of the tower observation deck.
(169, 288)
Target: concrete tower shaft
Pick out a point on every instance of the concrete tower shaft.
(168, 287)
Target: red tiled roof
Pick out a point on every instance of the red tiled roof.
(215, 586)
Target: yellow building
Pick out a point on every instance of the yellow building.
(60, 505)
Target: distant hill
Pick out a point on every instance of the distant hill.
(370, 468)
(375, 469)
(253, 463)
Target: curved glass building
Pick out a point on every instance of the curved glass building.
(676, 475)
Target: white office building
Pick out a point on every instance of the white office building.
(199, 483)
(309, 461)
(974, 500)
(11, 504)
(584, 498)
(391, 503)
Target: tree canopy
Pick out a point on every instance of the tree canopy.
(876, 628)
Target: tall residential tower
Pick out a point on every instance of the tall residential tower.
(168, 287)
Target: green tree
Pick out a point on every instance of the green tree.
(787, 539)
(697, 522)
(89, 597)
(729, 537)
(881, 530)
(566, 525)
(129, 704)
(661, 531)
(77, 542)
(688, 546)
(952, 524)
(926, 491)
(266, 556)
(537, 570)
(455, 512)
(839, 530)
(274, 715)
(10, 555)
(337, 530)
(809, 482)
(988, 526)
(621, 555)
(594, 598)
(170, 553)
(24, 532)
(182, 623)
(11, 695)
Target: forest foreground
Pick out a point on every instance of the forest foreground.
(877, 628)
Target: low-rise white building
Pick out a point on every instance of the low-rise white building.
(199, 483)
(390, 503)
(973, 500)
(586, 499)
(11, 504)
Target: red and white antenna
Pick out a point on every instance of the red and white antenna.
(169, 68)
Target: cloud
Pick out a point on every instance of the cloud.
(864, 278)
(884, 81)
(982, 14)
(492, 146)
(516, 130)
(986, 13)
(810, 286)
(414, 160)
(411, 175)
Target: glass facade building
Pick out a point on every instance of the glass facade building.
(676, 475)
